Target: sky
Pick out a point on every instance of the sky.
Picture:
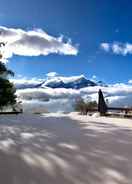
(89, 37)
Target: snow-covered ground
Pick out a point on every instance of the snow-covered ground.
(65, 149)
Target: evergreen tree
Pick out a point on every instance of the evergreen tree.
(7, 90)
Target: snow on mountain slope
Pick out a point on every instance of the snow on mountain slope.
(74, 82)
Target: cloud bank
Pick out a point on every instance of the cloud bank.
(61, 99)
(53, 99)
(33, 43)
(117, 48)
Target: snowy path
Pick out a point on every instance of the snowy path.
(61, 150)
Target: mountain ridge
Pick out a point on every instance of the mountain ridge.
(74, 82)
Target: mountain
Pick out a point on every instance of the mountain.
(75, 82)
(27, 83)
(101, 83)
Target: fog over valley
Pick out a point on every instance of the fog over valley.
(58, 93)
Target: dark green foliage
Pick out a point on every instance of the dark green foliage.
(84, 107)
(3, 70)
(7, 90)
(102, 107)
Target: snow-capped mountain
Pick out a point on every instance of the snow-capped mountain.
(75, 82)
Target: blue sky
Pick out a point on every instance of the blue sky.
(87, 23)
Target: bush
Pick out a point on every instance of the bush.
(79, 105)
(92, 105)
(84, 107)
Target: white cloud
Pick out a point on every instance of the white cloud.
(26, 83)
(62, 99)
(94, 78)
(130, 81)
(47, 93)
(105, 46)
(51, 74)
(33, 43)
(117, 48)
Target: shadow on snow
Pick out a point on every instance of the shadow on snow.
(60, 150)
